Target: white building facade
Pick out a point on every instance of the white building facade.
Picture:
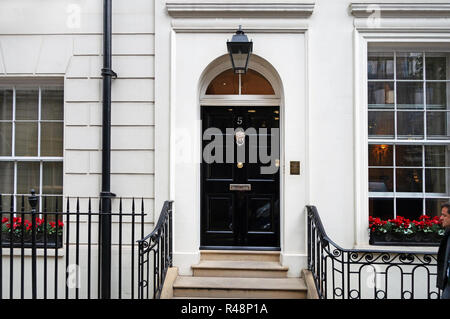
(350, 81)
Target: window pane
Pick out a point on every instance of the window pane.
(410, 208)
(437, 125)
(381, 95)
(5, 104)
(6, 177)
(26, 139)
(436, 68)
(433, 206)
(410, 95)
(254, 83)
(407, 155)
(7, 205)
(23, 205)
(410, 124)
(437, 95)
(381, 124)
(51, 139)
(409, 180)
(27, 104)
(52, 179)
(380, 155)
(380, 66)
(436, 180)
(410, 66)
(52, 204)
(52, 104)
(27, 177)
(381, 179)
(5, 139)
(225, 83)
(436, 156)
(381, 207)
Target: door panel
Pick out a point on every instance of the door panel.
(217, 172)
(237, 218)
(220, 209)
(260, 213)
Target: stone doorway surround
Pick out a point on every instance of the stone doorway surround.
(199, 31)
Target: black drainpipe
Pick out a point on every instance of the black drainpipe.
(106, 195)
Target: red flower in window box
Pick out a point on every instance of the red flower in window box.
(19, 226)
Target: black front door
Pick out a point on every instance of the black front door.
(240, 194)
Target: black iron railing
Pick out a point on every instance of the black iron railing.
(56, 253)
(155, 253)
(367, 274)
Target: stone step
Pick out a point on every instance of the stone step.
(247, 269)
(225, 287)
(240, 255)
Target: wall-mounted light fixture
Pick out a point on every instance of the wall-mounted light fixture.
(240, 50)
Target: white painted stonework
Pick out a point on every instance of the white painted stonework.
(165, 52)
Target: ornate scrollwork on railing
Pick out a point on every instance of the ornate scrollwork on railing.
(370, 274)
(155, 251)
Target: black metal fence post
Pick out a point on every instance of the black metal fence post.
(33, 200)
(170, 235)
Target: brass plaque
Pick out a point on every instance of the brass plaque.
(240, 187)
(295, 167)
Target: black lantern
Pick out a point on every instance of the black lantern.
(240, 49)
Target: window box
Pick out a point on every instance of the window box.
(27, 242)
(404, 232)
(393, 239)
(20, 231)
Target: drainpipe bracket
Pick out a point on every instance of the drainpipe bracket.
(107, 195)
(109, 72)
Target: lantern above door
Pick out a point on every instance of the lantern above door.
(239, 49)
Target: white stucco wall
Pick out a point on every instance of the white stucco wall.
(157, 65)
(331, 118)
(63, 39)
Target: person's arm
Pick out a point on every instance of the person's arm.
(448, 272)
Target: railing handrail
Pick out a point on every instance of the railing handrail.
(312, 210)
(167, 206)
(157, 249)
(338, 272)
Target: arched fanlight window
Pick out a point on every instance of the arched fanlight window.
(228, 82)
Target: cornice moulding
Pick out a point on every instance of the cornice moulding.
(401, 10)
(210, 9)
(229, 25)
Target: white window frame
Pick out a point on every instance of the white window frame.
(414, 142)
(395, 24)
(255, 64)
(13, 85)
